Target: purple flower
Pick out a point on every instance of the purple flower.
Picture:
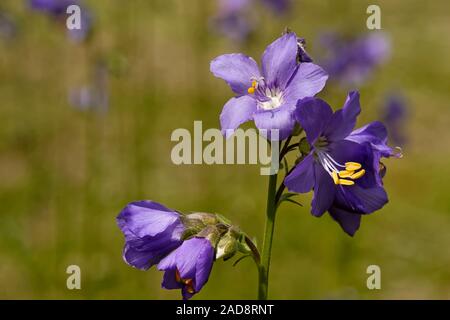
(343, 167)
(232, 19)
(269, 96)
(394, 114)
(151, 232)
(188, 267)
(352, 61)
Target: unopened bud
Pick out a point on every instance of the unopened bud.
(227, 246)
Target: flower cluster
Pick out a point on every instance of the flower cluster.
(341, 165)
(183, 246)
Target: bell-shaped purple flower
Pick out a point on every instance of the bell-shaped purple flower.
(188, 267)
(151, 232)
(267, 96)
(343, 167)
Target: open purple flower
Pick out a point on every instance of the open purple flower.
(188, 267)
(268, 96)
(343, 167)
(351, 61)
(151, 232)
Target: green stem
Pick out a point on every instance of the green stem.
(268, 236)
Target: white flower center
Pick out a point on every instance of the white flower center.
(275, 99)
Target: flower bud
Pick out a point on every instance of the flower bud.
(227, 246)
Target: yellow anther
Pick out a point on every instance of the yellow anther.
(358, 174)
(335, 177)
(346, 182)
(252, 89)
(189, 286)
(352, 166)
(345, 173)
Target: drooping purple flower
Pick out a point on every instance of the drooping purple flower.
(232, 19)
(188, 267)
(151, 232)
(268, 97)
(351, 61)
(343, 167)
(394, 114)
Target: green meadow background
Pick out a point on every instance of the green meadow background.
(65, 174)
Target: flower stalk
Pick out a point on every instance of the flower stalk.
(271, 211)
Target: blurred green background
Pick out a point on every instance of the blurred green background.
(65, 174)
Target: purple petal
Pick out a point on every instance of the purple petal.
(151, 232)
(279, 61)
(358, 199)
(376, 134)
(237, 70)
(313, 114)
(308, 80)
(235, 112)
(169, 280)
(301, 179)
(324, 191)
(344, 120)
(280, 119)
(146, 218)
(204, 265)
(348, 221)
(142, 260)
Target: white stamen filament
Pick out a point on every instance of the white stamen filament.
(275, 99)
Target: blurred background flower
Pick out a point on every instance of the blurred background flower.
(8, 27)
(394, 113)
(352, 60)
